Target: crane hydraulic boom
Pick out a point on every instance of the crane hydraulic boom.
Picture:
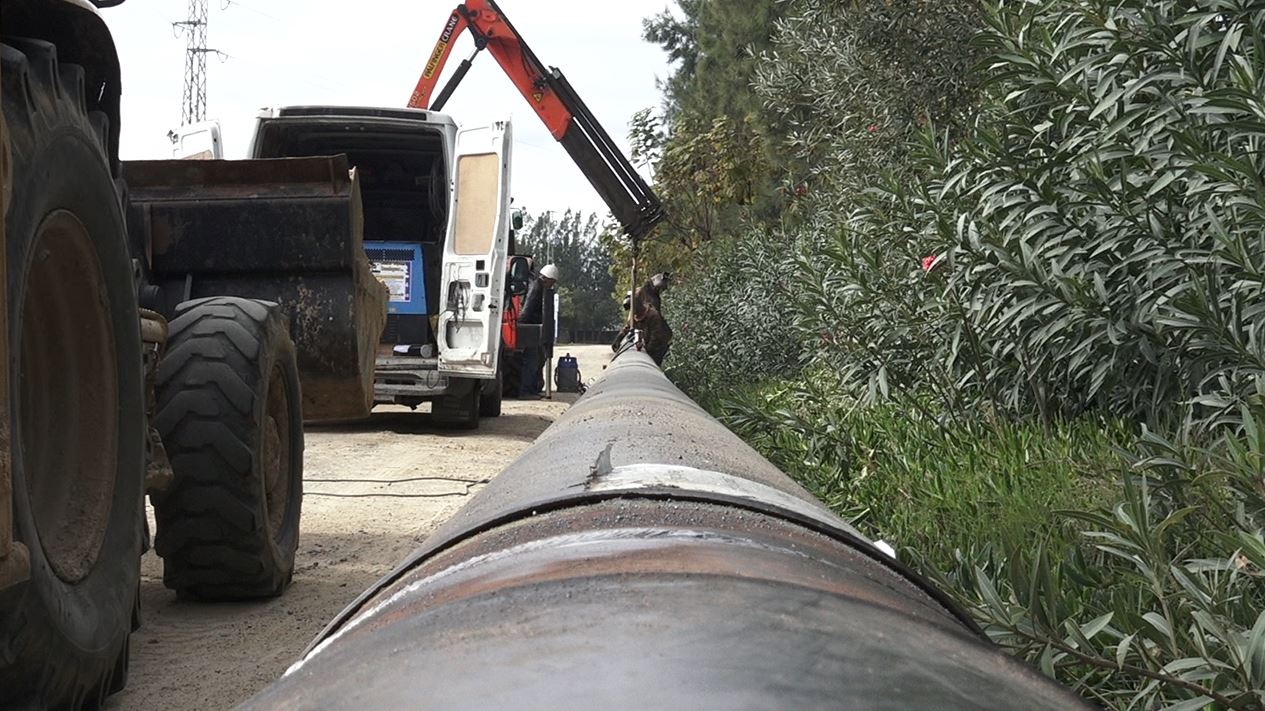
(627, 195)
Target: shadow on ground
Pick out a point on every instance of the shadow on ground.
(514, 424)
(187, 649)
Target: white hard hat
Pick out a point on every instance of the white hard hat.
(549, 271)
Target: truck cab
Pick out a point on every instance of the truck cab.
(435, 201)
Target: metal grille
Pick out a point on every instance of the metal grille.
(400, 255)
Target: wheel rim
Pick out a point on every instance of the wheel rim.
(277, 453)
(68, 399)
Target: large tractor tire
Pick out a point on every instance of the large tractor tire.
(76, 394)
(459, 409)
(230, 417)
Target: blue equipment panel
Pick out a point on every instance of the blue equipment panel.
(398, 265)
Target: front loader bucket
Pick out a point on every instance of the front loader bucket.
(285, 230)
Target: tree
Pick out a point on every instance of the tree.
(708, 147)
(716, 50)
(847, 85)
(586, 288)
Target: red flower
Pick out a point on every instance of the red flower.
(873, 128)
(928, 262)
(801, 190)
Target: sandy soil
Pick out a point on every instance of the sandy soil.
(364, 509)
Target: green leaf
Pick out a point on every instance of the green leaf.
(1255, 657)
(1253, 548)
(1195, 704)
(1185, 664)
(1160, 624)
(989, 593)
(1108, 102)
(1096, 625)
(1163, 182)
(1123, 649)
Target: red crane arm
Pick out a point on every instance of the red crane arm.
(492, 31)
(438, 58)
(549, 94)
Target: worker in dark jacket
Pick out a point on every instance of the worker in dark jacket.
(534, 306)
(648, 318)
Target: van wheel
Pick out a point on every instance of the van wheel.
(490, 396)
(460, 407)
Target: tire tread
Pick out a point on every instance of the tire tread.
(42, 96)
(211, 536)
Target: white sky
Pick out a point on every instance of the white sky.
(371, 52)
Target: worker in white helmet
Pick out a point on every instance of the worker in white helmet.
(538, 292)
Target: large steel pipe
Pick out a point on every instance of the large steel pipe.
(639, 555)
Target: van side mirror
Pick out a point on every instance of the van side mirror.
(516, 219)
(519, 276)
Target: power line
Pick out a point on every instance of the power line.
(225, 4)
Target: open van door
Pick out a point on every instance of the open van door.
(475, 252)
(197, 141)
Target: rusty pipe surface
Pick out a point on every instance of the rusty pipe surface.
(639, 555)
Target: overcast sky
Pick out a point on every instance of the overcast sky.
(371, 52)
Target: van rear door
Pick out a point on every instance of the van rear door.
(473, 283)
(197, 141)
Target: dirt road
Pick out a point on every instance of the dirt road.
(369, 498)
